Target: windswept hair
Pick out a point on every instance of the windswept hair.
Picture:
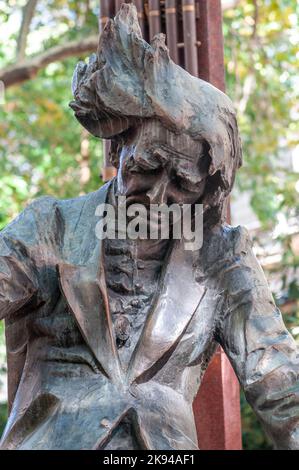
(129, 80)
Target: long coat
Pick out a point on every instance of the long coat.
(67, 386)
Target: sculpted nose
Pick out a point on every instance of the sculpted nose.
(158, 193)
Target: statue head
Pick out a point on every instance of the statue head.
(174, 137)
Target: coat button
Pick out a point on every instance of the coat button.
(105, 423)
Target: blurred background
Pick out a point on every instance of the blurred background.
(43, 150)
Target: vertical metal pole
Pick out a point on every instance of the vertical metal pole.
(154, 15)
(210, 53)
(190, 46)
(107, 10)
(140, 12)
(118, 4)
(172, 29)
(217, 405)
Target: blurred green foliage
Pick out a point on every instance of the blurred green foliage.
(41, 142)
(262, 63)
(39, 138)
(3, 416)
(3, 407)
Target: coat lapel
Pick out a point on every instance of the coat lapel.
(87, 298)
(84, 288)
(175, 306)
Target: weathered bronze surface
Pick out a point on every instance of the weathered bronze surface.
(108, 340)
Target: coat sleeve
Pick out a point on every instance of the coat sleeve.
(18, 283)
(264, 355)
(20, 245)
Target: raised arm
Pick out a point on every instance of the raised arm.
(264, 355)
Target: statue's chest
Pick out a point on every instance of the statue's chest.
(132, 284)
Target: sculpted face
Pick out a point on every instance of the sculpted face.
(157, 166)
(123, 94)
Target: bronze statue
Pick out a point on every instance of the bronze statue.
(108, 340)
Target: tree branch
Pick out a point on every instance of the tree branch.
(28, 13)
(28, 69)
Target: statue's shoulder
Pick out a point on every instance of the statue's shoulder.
(35, 214)
(225, 242)
(85, 202)
(238, 238)
(47, 215)
(230, 234)
(81, 210)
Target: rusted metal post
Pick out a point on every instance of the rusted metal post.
(172, 29)
(118, 4)
(106, 11)
(217, 405)
(140, 12)
(190, 40)
(210, 53)
(154, 17)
